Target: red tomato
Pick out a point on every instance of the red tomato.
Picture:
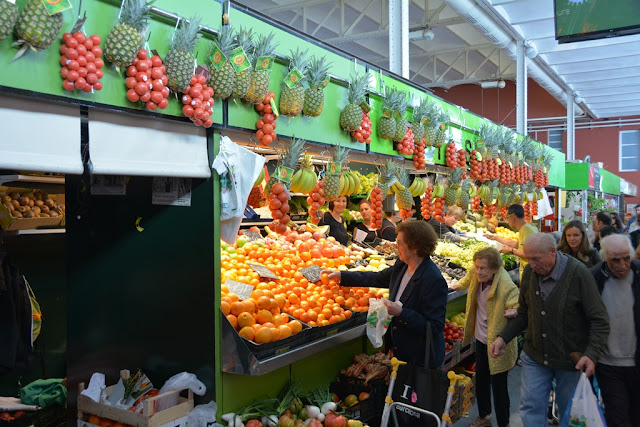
(98, 85)
(132, 95)
(96, 39)
(142, 54)
(67, 85)
(141, 88)
(156, 61)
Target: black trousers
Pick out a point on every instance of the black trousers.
(620, 394)
(485, 382)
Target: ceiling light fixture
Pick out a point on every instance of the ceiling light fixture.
(531, 51)
(421, 34)
(500, 84)
(578, 100)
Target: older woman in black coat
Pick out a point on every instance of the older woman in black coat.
(417, 294)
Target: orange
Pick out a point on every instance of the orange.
(224, 289)
(249, 305)
(281, 299)
(274, 304)
(257, 293)
(264, 335)
(237, 308)
(348, 313)
(313, 316)
(264, 316)
(279, 320)
(327, 313)
(233, 320)
(263, 303)
(275, 334)
(226, 309)
(234, 297)
(95, 420)
(295, 326)
(294, 299)
(245, 319)
(248, 333)
(305, 317)
(285, 331)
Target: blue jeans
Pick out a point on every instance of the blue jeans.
(535, 389)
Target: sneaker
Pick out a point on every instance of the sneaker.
(482, 422)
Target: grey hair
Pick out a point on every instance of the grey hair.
(545, 241)
(612, 239)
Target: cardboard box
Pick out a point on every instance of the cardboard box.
(148, 418)
(9, 223)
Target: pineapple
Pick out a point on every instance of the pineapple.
(290, 158)
(351, 116)
(332, 182)
(503, 197)
(180, 61)
(124, 40)
(387, 125)
(34, 26)
(243, 78)
(441, 135)
(388, 174)
(8, 17)
(404, 198)
(314, 96)
(451, 192)
(418, 113)
(435, 128)
(223, 80)
(401, 122)
(259, 83)
(462, 194)
(291, 99)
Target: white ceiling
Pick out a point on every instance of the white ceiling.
(604, 73)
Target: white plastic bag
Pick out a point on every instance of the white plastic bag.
(203, 415)
(583, 410)
(181, 381)
(238, 169)
(377, 322)
(544, 207)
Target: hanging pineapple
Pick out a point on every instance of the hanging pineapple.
(180, 61)
(387, 123)
(462, 194)
(124, 40)
(292, 95)
(289, 157)
(259, 82)
(8, 18)
(351, 116)
(223, 75)
(35, 28)
(243, 77)
(388, 177)
(404, 199)
(451, 192)
(401, 122)
(419, 121)
(331, 180)
(318, 79)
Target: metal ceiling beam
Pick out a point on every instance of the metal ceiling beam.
(296, 5)
(451, 83)
(359, 18)
(437, 52)
(325, 19)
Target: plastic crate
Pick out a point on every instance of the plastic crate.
(51, 416)
(377, 389)
(318, 332)
(365, 410)
(275, 348)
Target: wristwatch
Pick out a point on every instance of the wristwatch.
(511, 251)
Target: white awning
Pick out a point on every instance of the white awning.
(39, 136)
(121, 144)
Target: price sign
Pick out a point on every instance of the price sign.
(263, 271)
(243, 290)
(252, 235)
(312, 273)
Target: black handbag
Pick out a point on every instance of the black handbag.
(421, 387)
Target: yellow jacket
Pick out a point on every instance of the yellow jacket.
(503, 295)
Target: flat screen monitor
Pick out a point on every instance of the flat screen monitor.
(578, 20)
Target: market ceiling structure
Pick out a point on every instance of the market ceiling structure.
(455, 42)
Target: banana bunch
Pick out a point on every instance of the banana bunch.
(259, 179)
(367, 182)
(418, 187)
(472, 191)
(438, 190)
(349, 183)
(305, 178)
(396, 187)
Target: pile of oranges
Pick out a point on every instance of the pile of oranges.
(264, 316)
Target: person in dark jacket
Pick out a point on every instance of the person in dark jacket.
(618, 281)
(616, 221)
(574, 242)
(635, 234)
(417, 294)
(334, 220)
(601, 220)
(444, 230)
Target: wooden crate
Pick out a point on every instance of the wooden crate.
(148, 418)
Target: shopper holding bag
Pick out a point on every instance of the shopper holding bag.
(417, 294)
(492, 298)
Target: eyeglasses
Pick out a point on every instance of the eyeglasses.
(509, 216)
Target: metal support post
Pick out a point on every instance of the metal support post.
(571, 127)
(521, 88)
(399, 37)
(585, 207)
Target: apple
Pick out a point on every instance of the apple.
(241, 241)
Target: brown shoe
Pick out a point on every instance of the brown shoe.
(482, 422)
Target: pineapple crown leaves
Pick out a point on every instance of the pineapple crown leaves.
(318, 70)
(455, 177)
(388, 170)
(265, 45)
(185, 37)
(403, 176)
(421, 110)
(226, 39)
(391, 98)
(437, 116)
(402, 102)
(340, 154)
(358, 88)
(306, 163)
(291, 155)
(136, 13)
(244, 39)
(299, 59)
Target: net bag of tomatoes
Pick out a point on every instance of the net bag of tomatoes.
(238, 169)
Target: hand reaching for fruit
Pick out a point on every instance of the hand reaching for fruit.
(454, 285)
(332, 275)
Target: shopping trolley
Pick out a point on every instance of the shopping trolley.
(390, 405)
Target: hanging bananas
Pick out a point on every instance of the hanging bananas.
(349, 183)
(418, 187)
